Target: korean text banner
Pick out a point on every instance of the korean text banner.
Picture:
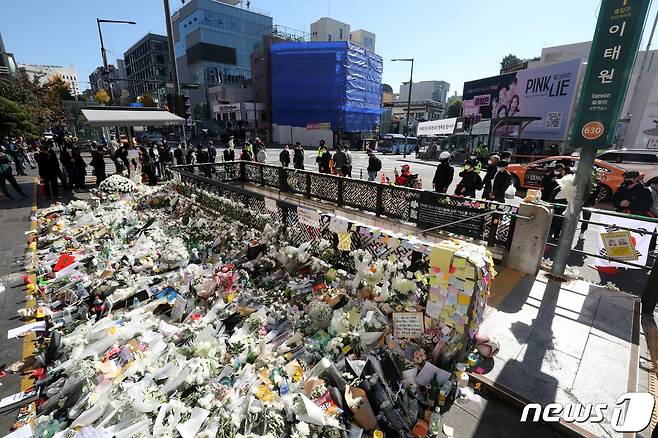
(436, 127)
(546, 92)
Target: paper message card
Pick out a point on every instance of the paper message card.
(344, 241)
(308, 217)
(408, 324)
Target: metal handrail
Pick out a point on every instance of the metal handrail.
(610, 259)
(391, 200)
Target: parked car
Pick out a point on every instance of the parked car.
(642, 160)
(531, 175)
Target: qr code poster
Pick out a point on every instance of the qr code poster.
(554, 120)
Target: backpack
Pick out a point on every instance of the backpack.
(378, 164)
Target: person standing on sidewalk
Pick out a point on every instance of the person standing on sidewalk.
(339, 161)
(79, 169)
(98, 163)
(444, 173)
(12, 150)
(501, 182)
(492, 169)
(471, 181)
(374, 165)
(632, 196)
(298, 157)
(212, 152)
(261, 155)
(66, 159)
(284, 156)
(7, 175)
(323, 158)
(347, 167)
(48, 169)
(229, 152)
(179, 155)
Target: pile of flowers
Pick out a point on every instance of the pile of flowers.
(177, 323)
(117, 184)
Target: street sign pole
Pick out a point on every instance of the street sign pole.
(614, 47)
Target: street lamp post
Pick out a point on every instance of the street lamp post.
(105, 65)
(411, 82)
(104, 51)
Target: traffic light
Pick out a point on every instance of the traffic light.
(187, 110)
(170, 103)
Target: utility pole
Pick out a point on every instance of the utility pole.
(172, 62)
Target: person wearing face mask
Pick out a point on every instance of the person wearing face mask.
(632, 196)
(549, 184)
(492, 168)
(473, 158)
(470, 182)
(444, 173)
(501, 182)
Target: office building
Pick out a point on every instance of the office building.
(262, 71)
(214, 41)
(99, 81)
(45, 73)
(425, 90)
(328, 29)
(147, 65)
(7, 62)
(363, 38)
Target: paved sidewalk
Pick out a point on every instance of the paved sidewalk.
(570, 342)
(15, 219)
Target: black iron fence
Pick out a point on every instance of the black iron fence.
(492, 222)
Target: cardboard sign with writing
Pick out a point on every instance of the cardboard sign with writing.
(408, 324)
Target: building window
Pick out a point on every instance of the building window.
(329, 37)
(340, 33)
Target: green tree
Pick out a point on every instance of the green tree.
(454, 106)
(510, 60)
(147, 100)
(60, 88)
(102, 96)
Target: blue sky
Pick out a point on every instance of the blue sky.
(455, 41)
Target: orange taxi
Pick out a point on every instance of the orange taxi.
(531, 175)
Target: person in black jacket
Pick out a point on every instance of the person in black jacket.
(66, 159)
(444, 173)
(48, 169)
(284, 156)
(492, 168)
(323, 158)
(179, 155)
(80, 168)
(501, 182)
(98, 163)
(229, 152)
(632, 196)
(212, 152)
(549, 183)
(298, 156)
(374, 165)
(471, 181)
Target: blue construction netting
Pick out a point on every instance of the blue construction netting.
(319, 82)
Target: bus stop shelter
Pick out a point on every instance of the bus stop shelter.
(105, 117)
(502, 122)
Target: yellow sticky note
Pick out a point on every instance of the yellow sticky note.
(434, 280)
(344, 241)
(441, 258)
(463, 299)
(446, 276)
(459, 263)
(469, 285)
